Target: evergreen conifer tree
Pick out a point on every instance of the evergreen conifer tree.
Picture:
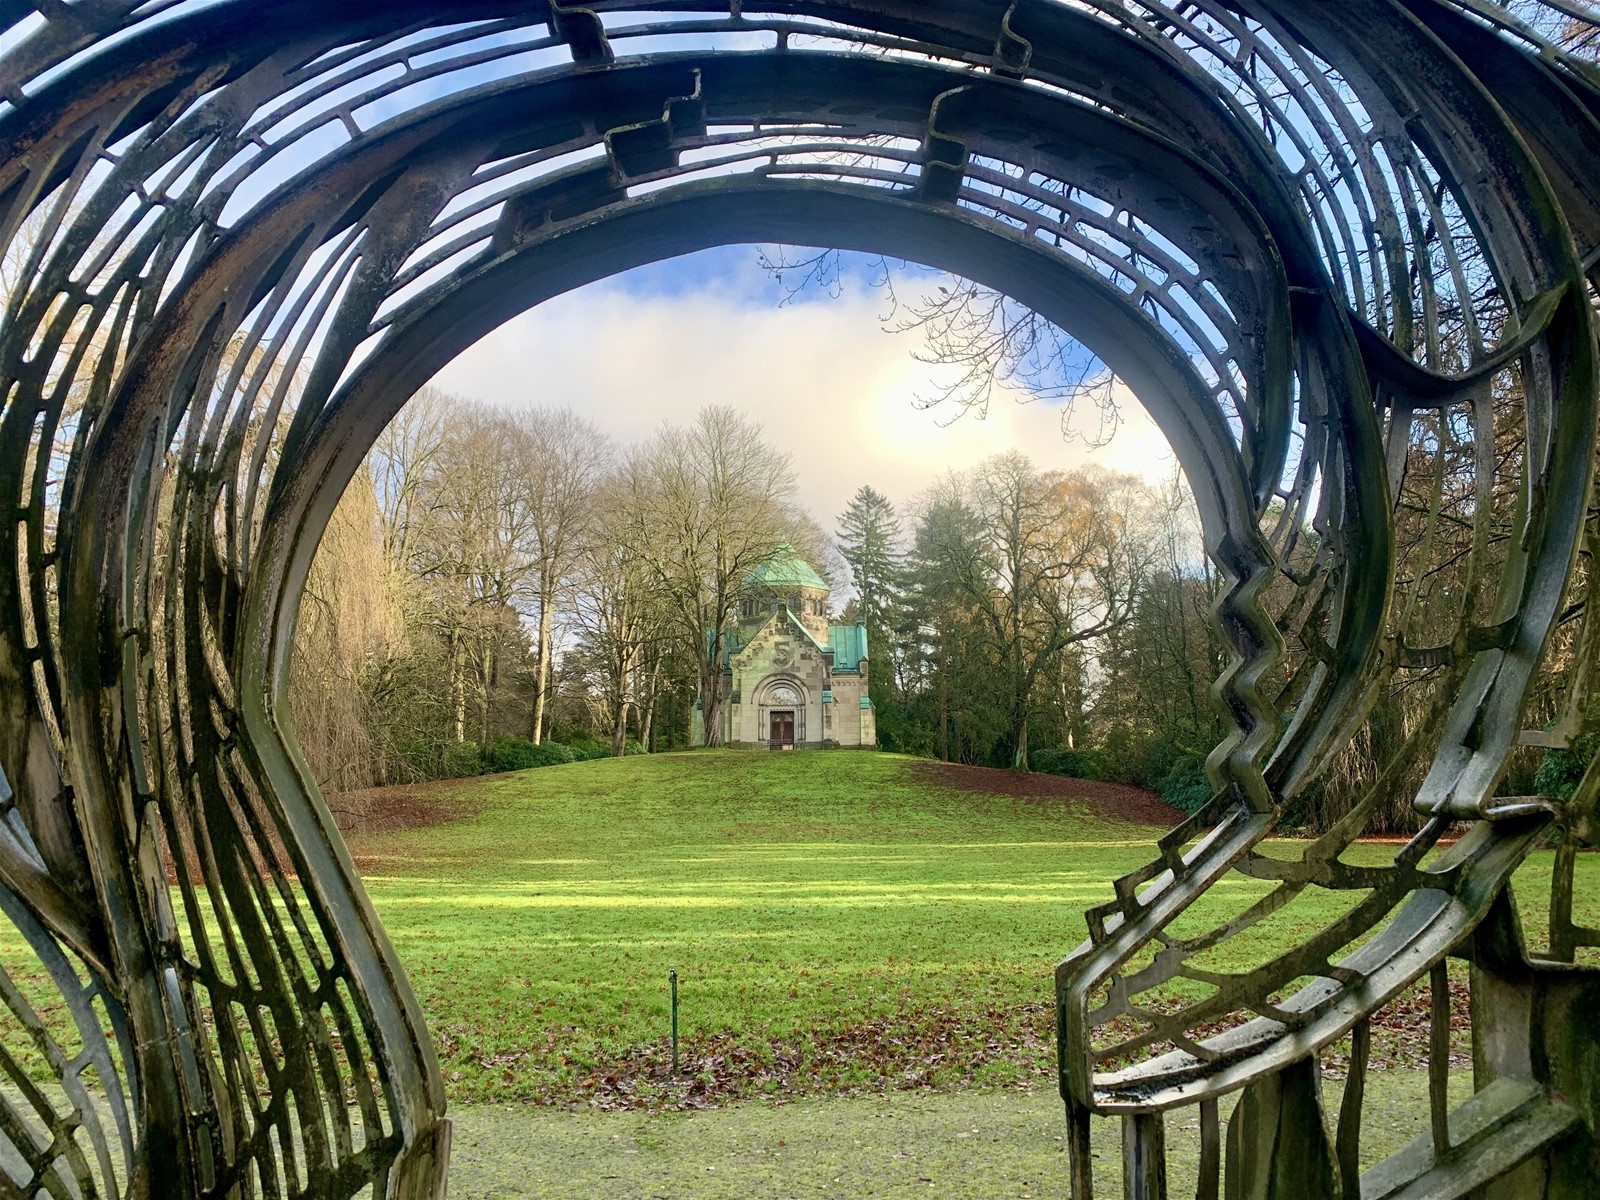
(869, 541)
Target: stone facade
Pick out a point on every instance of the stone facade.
(791, 678)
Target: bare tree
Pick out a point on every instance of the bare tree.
(405, 455)
(707, 505)
(1154, 675)
(562, 459)
(1051, 561)
(472, 551)
(350, 619)
(618, 613)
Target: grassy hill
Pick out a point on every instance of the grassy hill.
(840, 921)
(837, 919)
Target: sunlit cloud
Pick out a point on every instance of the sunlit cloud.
(823, 377)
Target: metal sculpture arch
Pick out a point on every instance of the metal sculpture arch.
(1343, 253)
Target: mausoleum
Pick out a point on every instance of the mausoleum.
(792, 679)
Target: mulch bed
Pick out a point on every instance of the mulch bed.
(1109, 801)
(405, 806)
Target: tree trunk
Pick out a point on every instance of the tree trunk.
(619, 731)
(1021, 690)
(944, 724)
(1020, 761)
(711, 710)
(541, 671)
(647, 712)
(458, 685)
(490, 663)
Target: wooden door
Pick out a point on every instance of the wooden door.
(781, 732)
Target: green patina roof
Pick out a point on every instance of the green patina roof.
(786, 569)
(849, 646)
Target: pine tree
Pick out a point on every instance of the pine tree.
(869, 541)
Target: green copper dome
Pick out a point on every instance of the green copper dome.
(786, 569)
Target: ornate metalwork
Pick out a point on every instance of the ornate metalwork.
(1344, 254)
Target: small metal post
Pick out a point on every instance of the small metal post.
(672, 977)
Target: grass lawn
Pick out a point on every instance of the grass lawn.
(827, 909)
(839, 921)
(972, 1144)
(865, 946)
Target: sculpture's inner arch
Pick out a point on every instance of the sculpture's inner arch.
(1322, 252)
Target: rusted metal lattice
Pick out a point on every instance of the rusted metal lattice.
(1343, 252)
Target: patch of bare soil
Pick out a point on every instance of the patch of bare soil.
(1110, 801)
(407, 806)
(365, 817)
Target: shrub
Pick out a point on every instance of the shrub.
(411, 759)
(1074, 764)
(1124, 757)
(461, 759)
(552, 754)
(1559, 773)
(1046, 761)
(586, 749)
(1185, 785)
(1160, 756)
(513, 754)
(633, 746)
(520, 754)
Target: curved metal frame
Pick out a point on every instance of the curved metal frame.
(1310, 240)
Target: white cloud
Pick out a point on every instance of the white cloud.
(822, 377)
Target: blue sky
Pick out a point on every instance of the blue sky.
(828, 383)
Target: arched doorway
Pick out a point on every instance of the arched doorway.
(784, 716)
